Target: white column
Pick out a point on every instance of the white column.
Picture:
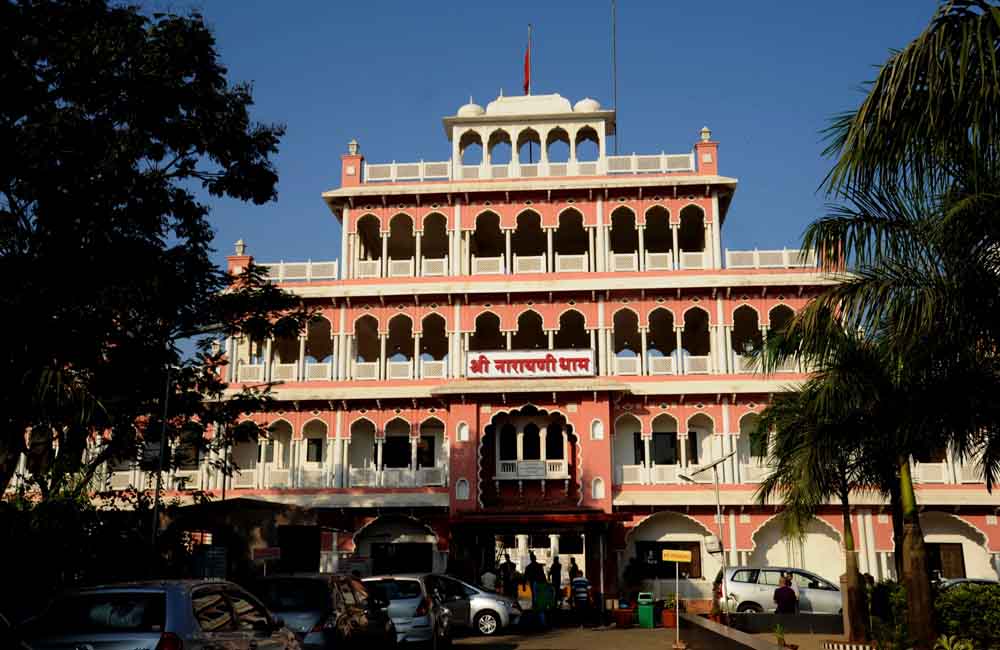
(709, 251)
(508, 339)
(642, 358)
(676, 249)
(679, 361)
(457, 265)
(716, 230)
(551, 334)
(728, 343)
(548, 258)
(861, 543)
(591, 262)
(345, 266)
(646, 446)
(642, 247)
(601, 255)
(381, 358)
(554, 545)
(413, 454)
(522, 552)
(682, 442)
(356, 254)
(416, 355)
(720, 348)
(267, 359)
(302, 359)
(385, 254)
(727, 469)
(733, 559)
(599, 353)
(464, 357)
(417, 265)
(466, 254)
(508, 260)
(456, 358)
(338, 451)
(341, 345)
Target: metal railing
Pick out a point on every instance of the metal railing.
(419, 171)
(651, 164)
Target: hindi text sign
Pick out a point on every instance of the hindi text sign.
(670, 555)
(527, 364)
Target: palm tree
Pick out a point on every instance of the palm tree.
(918, 170)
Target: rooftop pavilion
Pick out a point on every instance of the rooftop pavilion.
(530, 136)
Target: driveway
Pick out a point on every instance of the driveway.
(600, 639)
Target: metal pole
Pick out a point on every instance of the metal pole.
(677, 601)
(159, 470)
(614, 67)
(722, 546)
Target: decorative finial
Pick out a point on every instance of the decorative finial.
(470, 100)
(352, 147)
(706, 134)
(241, 247)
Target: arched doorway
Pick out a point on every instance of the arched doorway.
(393, 544)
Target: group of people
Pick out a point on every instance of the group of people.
(546, 590)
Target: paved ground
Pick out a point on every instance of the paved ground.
(600, 639)
(804, 641)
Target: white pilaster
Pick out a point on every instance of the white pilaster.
(345, 266)
(642, 247)
(716, 230)
(338, 450)
(601, 255)
(382, 361)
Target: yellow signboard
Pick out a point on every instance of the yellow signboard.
(676, 556)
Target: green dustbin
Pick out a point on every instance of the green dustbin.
(645, 603)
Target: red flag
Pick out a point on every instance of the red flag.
(527, 65)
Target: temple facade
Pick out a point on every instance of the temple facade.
(538, 345)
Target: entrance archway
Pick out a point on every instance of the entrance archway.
(395, 544)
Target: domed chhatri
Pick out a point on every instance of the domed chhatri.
(587, 105)
(471, 109)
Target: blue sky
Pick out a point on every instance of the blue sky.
(765, 77)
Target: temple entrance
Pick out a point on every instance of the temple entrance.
(529, 459)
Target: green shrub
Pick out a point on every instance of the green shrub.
(970, 611)
(887, 603)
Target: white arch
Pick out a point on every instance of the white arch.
(770, 311)
(569, 309)
(684, 313)
(773, 518)
(627, 415)
(326, 427)
(662, 514)
(669, 416)
(687, 423)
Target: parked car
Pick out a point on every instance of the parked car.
(471, 607)
(417, 614)
(159, 615)
(948, 583)
(751, 590)
(328, 611)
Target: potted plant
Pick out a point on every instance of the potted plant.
(668, 617)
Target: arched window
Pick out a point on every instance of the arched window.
(470, 148)
(362, 448)
(433, 338)
(597, 488)
(529, 147)
(370, 237)
(461, 490)
(434, 244)
(528, 241)
(462, 432)
(557, 145)
(487, 335)
(487, 240)
(571, 238)
(572, 334)
(663, 446)
(661, 342)
(402, 244)
(588, 148)
(691, 237)
(396, 447)
(531, 443)
(597, 430)
(659, 240)
(529, 335)
(780, 316)
(626, 333)
(700, 430)
(554, 442)
(314, 433)
(319, 341)
(508, 442)
(500, 147)
(695, 338)
(366, 341)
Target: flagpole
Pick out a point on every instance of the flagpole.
(529, 58)
(614, 66)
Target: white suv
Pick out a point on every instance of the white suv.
(751, 590)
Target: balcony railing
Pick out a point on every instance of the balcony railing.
(930, 472)
(368, 268)
(365, 370)
(664, 474)
(571, 263)
(434, 267)
(651, 164)
(633, 474)
(401, 268)
(284, 371)
(250, 372)
(785, 258)
(693, 260)
(319, 370)
(399, 369)
(487, 265)
(531, 469)
(433, 369)
(396, 172)
(363, 477)
(530, 264)
(754, 472)
(626, 365)
(624, 261)
(300, 271)
(661, 365)
(697, 365)
(659, 261)
(970, 473)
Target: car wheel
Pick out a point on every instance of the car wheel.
(750, 608)
(487, 622)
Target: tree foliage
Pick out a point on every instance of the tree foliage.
(114, 126)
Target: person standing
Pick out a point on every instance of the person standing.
(784, 598)
(579, 589)
(508, 577)
(534, 572)
(574, 570)
(555, 577)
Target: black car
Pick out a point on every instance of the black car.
(328, 611)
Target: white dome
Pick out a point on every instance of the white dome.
(471, 110)
(587, 105)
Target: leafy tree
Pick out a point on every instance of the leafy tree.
(113, 124)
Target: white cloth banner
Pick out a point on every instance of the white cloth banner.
(530, 363)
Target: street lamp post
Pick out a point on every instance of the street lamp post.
(714, 466)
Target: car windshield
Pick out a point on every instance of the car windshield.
(391, 589)
(104, 613)
(293, 595)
